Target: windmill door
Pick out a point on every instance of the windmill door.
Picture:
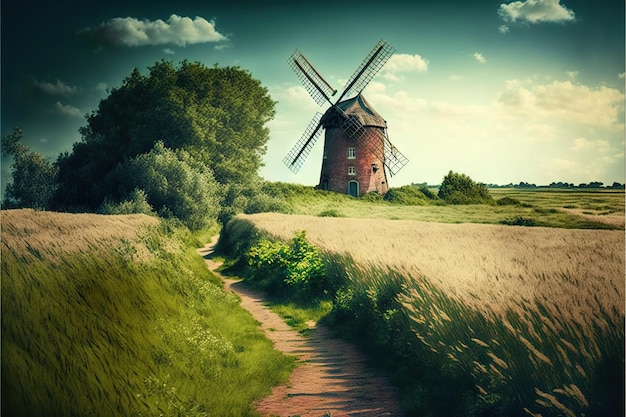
(353, 188)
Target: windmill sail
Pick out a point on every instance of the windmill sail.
(298, 154)
(394, 159)
(373, 135)
(368, 68)
(319, 89)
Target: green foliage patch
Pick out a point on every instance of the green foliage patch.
(103, 333)
(296, 267)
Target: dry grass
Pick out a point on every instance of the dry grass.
(28, 234)
(490, 267)
(518, 307)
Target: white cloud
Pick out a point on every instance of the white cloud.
(68, 110)
(102, 87)
(177, 30)
(535, 11)
(400, 64)
(572, 75)
(503, 29)
(480, 58)
(564, 101)
(58, 89)
(168, 51)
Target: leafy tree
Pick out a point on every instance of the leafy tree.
(461, 189)
(217, 115)
(173, 183)
(34, 178)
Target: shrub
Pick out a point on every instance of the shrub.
(297, 266)
(372, 196)
(519, 221)
(461, 189)
(409, 195)
(330, 213)
(175, 185)
(137, 202)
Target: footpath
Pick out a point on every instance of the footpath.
(331, 377)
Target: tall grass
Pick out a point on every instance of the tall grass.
(117, 315)
(478, 319)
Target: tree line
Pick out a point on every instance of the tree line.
(184, 142)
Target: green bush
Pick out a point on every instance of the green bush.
(519, 221)
(175, 185)
(296, 267)
(137, 202)
(410, 195)
(461, 189)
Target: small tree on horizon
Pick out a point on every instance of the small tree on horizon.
(460, 189)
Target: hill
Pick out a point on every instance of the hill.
(118, 315)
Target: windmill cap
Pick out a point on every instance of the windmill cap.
(359, 107)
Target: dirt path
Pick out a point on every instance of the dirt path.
(331, 378)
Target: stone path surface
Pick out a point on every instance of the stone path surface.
(331, 378)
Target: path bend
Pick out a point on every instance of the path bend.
(331, 378)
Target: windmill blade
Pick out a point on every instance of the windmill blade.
(319, 89)
(376, 141)
(368, 68)
(300, 151)
(394, 159)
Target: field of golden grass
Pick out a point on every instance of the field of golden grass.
(522, 309)
(487, 266)
(30, 234)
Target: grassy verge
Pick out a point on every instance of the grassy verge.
(576, 209)
(132, 326)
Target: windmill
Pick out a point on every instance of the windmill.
(357, 150)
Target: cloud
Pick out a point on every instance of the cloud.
(68, 110)
(564, 101)
(572, 75)
(58, 89)
(480, 58)
(168, 51)
(101, 87)
(535, 11)
(621, 75)
(455, 77)
(403, 63)
(177, 30)
(503, 29)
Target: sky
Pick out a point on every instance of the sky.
(503, 91)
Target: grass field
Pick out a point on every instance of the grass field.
(117, 315)
(563, 208)
(528, 320)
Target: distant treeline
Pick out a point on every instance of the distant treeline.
(560, 184)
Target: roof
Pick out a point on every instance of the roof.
(358, 107)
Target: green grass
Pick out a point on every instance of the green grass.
(539, 207)
(101, 333)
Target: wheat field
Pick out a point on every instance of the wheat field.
(28, 234)
(487, 266)
(523, 309)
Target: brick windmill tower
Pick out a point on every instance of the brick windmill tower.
(357, 150)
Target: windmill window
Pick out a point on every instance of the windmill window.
(351, 153)
(351, 170)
